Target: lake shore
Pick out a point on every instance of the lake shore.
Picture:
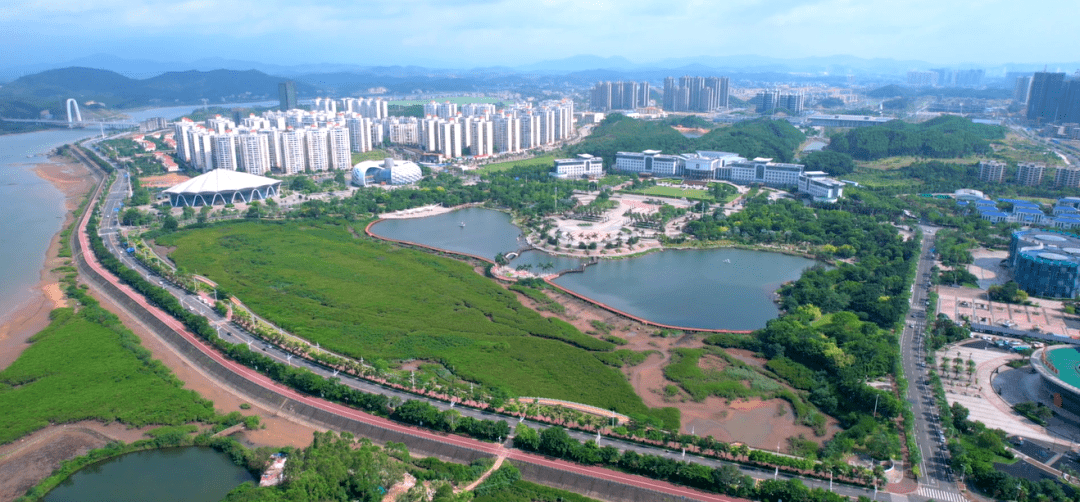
(73, 180)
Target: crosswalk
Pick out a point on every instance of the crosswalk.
(940, 495)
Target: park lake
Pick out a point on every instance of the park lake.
(190, 474)
(702, 288)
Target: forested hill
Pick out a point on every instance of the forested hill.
(755, 138)
(28, 95)
(947, 136)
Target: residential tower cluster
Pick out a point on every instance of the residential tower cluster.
(322, 139)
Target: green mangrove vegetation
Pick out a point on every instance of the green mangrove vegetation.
(365, 298)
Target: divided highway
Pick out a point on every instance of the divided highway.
(109, 231)
(936, 481)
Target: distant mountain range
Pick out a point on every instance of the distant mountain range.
(832, 65)
(48, 90)
(115, 82)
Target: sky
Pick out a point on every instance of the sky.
(473, 33)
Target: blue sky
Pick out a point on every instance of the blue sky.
(467, 33)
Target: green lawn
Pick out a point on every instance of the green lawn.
(372, 155)
(546, 160)
(459, 100)
(77, 369)
(678, 193)
(367, 298)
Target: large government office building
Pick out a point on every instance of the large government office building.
(726, 166)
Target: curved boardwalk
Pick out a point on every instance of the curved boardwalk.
(609, 308)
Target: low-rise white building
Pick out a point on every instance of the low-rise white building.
(820, 187)
(583, 166)
(650, 162)
(766, 172)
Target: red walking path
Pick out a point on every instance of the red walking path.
(353, 414)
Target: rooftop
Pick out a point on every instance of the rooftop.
(221, 180)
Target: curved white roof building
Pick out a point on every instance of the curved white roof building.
(222, 186)
(393, 172)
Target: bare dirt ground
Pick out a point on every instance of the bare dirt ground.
(757, 423)
(30, 459)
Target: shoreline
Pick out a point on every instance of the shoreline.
(73, 180)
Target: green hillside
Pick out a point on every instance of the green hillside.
(48, 90)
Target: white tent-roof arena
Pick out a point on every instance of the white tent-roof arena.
(222, 186)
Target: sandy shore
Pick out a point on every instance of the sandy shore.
(26, 461)
(73, 180)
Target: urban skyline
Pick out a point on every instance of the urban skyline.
(460, 33)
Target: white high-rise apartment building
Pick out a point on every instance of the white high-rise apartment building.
(273, 144)
(254, 122)
(220, 125)
(429, 134)
(359, 133)
(404, 133)
(376, 108)
(478, 110)
(202, 148)
(449, 139)
(483, 138)
(224, 147)
(530, 131)
(254, 152)
(183, 141)
(340, 153)
(547, 126)
(507, 132)
(293, 157)
(445, 110)
(317, 148)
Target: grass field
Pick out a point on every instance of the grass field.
(371, 299)
(459, 100)
(1020, 149)
(893, 163)
(546, 160)
(77, 369)
(880, 178)
(678, 193)
(372, 155)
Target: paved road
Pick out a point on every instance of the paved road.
(109, 230)
(936, 481)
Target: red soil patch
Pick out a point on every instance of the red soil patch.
(757, 423)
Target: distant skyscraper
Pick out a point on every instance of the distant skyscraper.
(969, 78)
(1044, 96)
(287, 95)
(945, 77)
(921, 78)
(695, 94)
(1069, 105)
(1020, 89)
(607, 96)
